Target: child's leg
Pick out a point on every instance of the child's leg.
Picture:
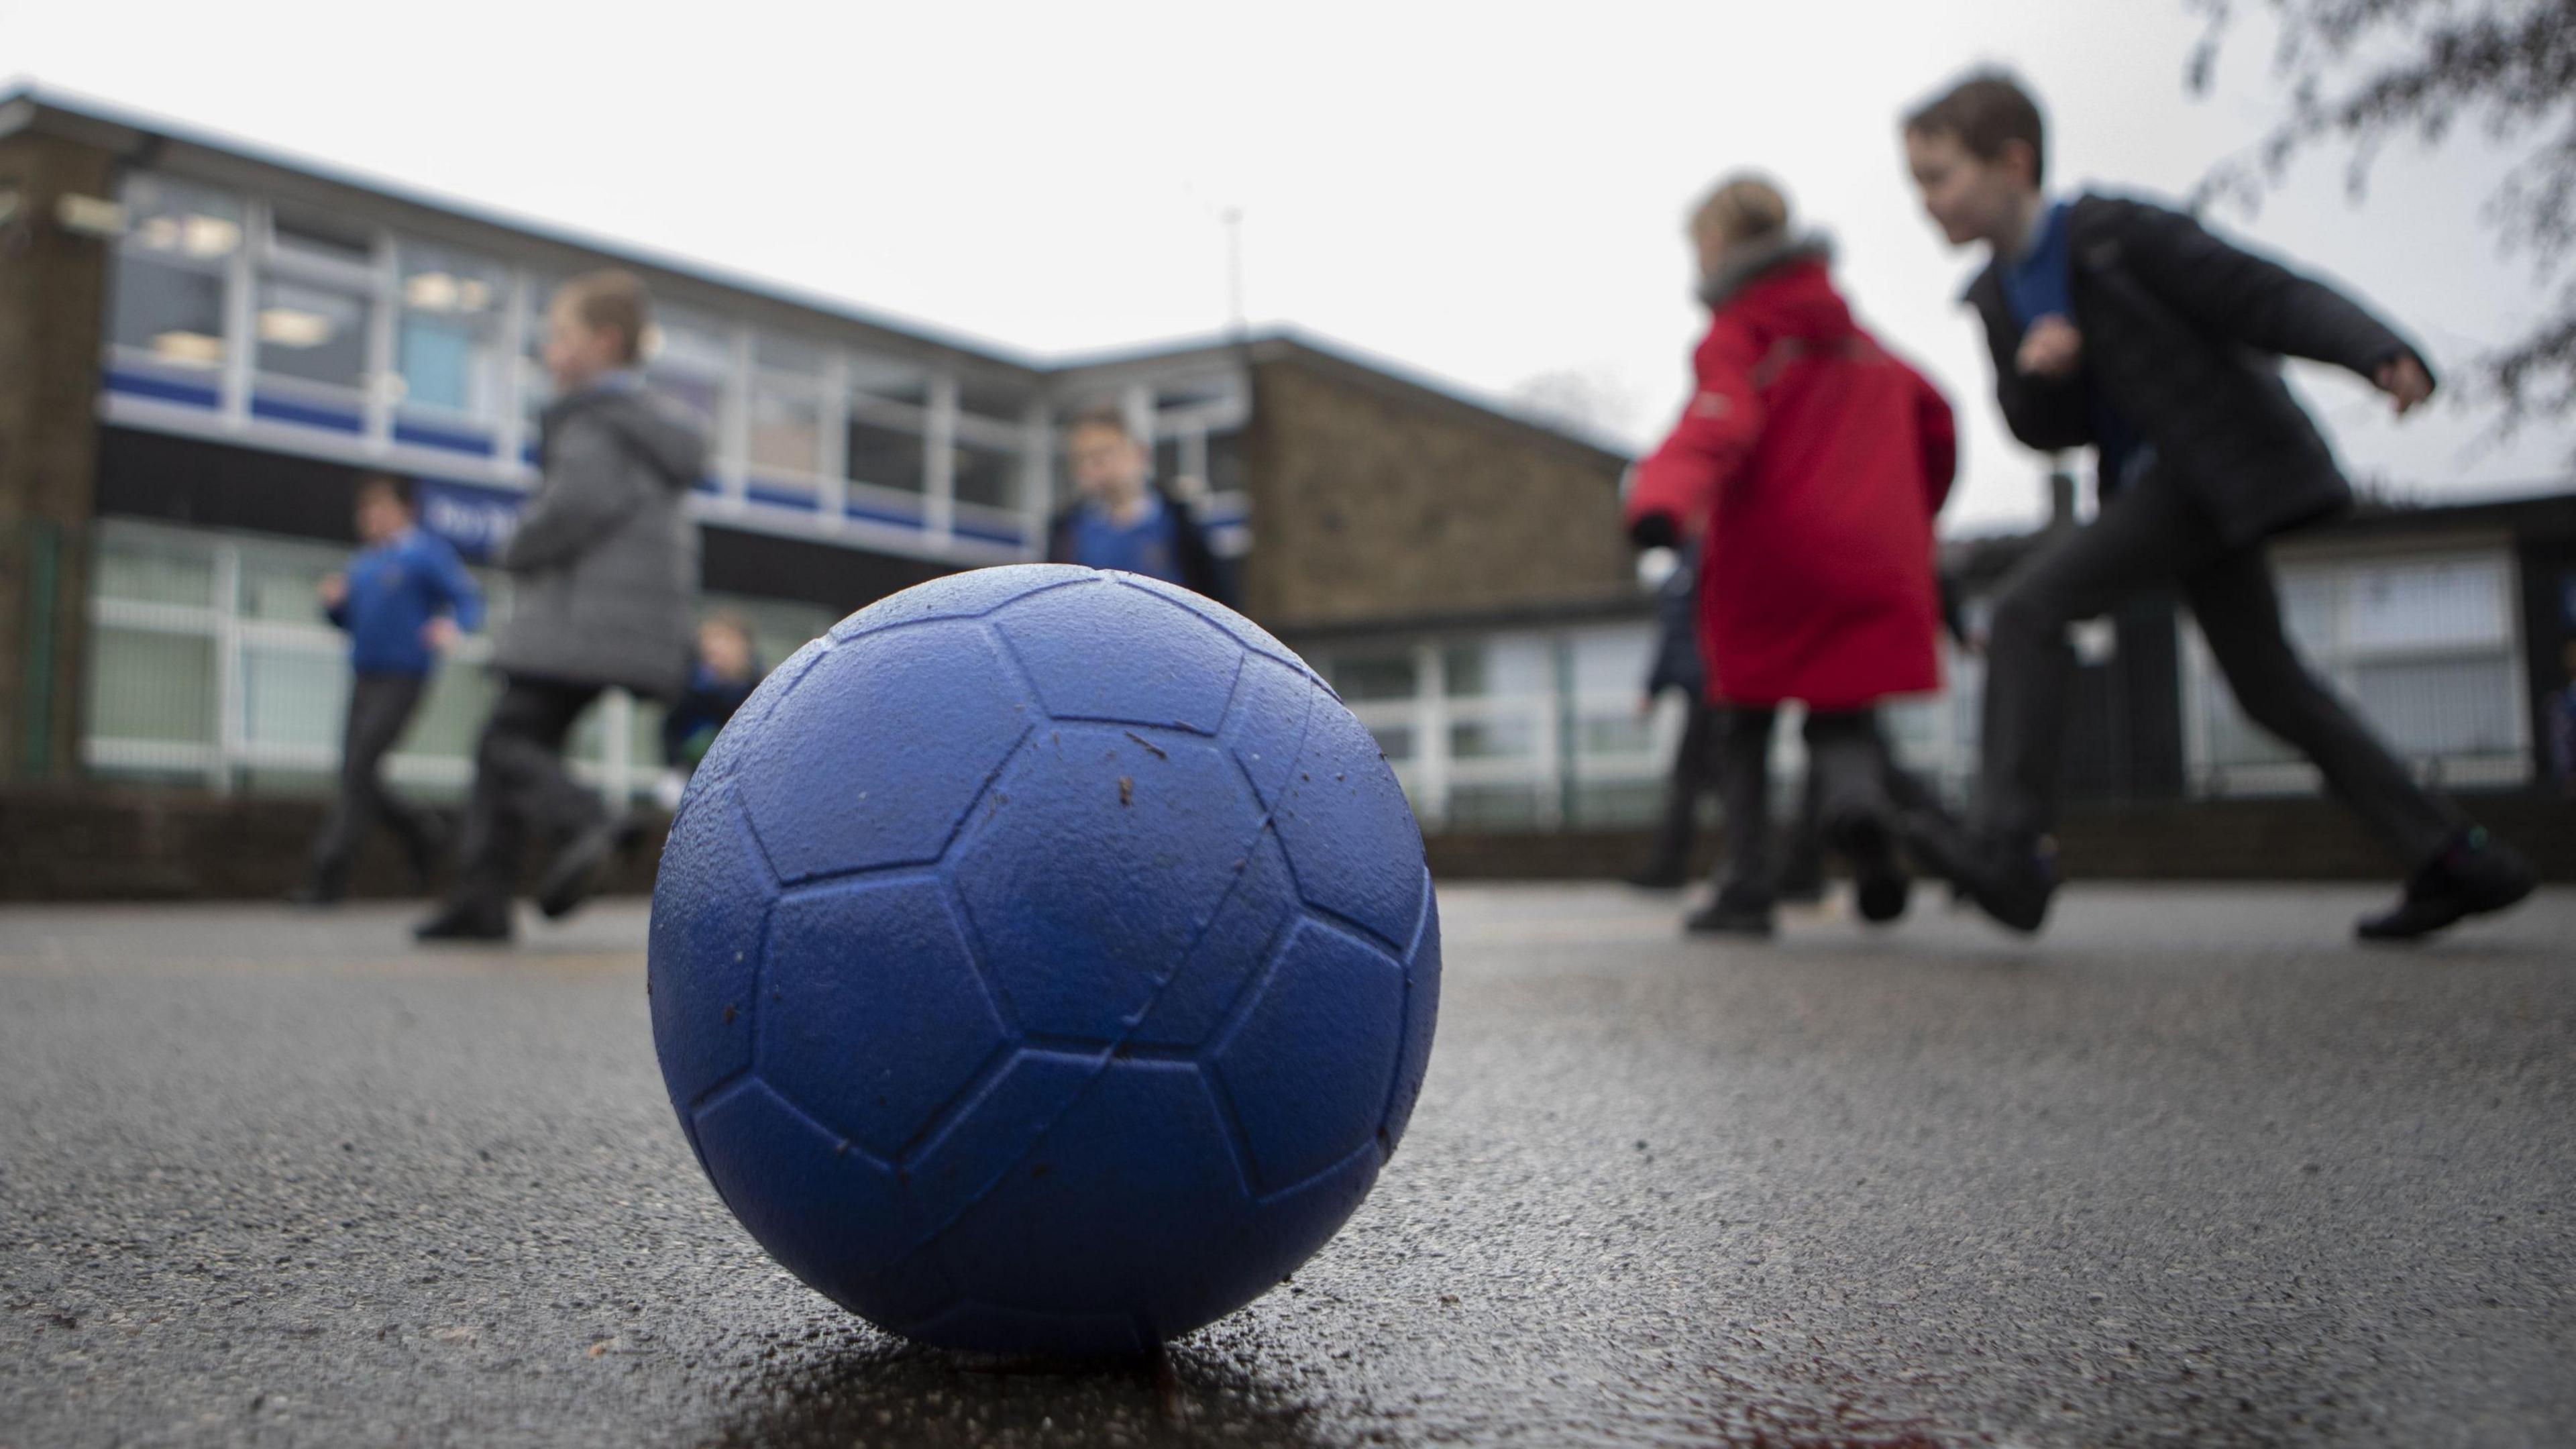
(2239, 611)
(1848, 760)
(1690, 779)
(396, 700)
(1802, 872)
(379, 706)
(1847, 752)
(519, 784)
(1744, 789)
(2145, 535)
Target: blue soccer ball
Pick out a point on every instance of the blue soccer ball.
(1043, 962)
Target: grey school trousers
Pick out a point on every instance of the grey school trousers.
(2150, 534)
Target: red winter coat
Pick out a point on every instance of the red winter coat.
(1815, 460)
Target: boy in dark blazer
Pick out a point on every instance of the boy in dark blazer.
(2125, 326)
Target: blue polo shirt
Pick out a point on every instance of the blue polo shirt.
(2040, 283)
(1142, 547)
(395, 589)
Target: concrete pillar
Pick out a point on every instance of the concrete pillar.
(53, 293)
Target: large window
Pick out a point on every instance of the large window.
(166, 300)
(987, 471)
(313, 333)
(690, 357)
(986, 468)
(317, 293)
(534, 386)
(887, 420)
(786, 441)
(994, 400)
(885, 452)
(1514, 729)
(446, 348)
(212, 661)
(283, 319)
(2423, 648)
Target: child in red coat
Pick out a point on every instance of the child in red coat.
(1813, 461)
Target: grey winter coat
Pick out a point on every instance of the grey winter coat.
(604, 565)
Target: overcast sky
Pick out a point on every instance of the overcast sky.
(1474, 194)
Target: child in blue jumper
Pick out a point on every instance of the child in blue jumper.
(404, 601)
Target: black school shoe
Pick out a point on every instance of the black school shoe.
(1731, 914)
(2474, 875)
(1880, 887)
(2010, 881)
(576, 869)
(466, 921)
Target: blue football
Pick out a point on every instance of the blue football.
(1043, 962)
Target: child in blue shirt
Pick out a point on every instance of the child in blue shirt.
(404, 600)
(1125, 519)
(727, 670)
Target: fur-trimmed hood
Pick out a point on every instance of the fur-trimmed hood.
(1752, 262)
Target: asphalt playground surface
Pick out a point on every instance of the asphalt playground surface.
(2192, 1168)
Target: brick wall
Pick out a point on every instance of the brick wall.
(68, 843)
(1374, 499)
(2275, 839)
(87, 843)
(52, 310)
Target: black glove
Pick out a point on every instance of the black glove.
(1655, 530)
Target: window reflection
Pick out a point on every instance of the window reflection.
(987, 476)
(451, 311)
(166, 296)
(312, 333)
(885, 456)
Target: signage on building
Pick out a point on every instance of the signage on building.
(476, 521)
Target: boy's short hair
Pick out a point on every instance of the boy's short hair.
(611, 300)
(1740, 208)
(733, 621)
(1984, 112)
(401, 489)
(1101, 415)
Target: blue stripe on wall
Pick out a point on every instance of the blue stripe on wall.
(478, 444)
(878, 515)
(780, 497)
(136, 384)
(277, 410)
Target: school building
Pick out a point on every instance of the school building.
(203, 345)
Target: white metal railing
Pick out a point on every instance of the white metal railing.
(2426, 648)
(213, 691)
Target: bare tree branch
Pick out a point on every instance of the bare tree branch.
(2360, 73)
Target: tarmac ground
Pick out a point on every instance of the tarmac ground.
(2191, 1168)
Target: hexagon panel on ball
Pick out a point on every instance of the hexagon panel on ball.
(1044, 962)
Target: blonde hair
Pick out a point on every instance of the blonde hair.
(1741, 208)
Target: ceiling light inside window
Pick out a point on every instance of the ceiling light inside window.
(431, 292)
(291, 327)
(195, 349)
(211, 236)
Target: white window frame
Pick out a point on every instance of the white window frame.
(2335, 661)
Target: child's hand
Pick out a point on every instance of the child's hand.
(2052, 348)
(333, 591)
(441, 634)
(2404, 379)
